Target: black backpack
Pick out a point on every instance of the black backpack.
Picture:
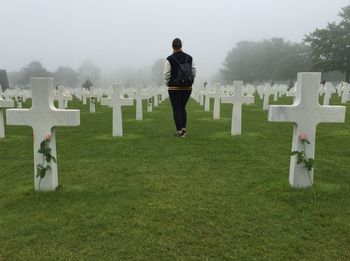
(184, 76)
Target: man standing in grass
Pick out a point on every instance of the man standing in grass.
(179, 74)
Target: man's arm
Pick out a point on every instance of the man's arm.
(167, 72)
(194, 69)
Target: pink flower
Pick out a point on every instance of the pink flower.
(303, 136)
(48, 136)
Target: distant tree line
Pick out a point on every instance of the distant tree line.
(87, 75)
(273, 59)
(63, 75)
(326, 50)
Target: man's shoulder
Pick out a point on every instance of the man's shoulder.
(188, 55)
(179, 56)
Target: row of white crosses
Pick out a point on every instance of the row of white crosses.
(230, 94)
(43, 117)
(306, 113)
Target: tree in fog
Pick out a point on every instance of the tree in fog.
(4, 82)
(14, 78)
(157, 72)
(33, 69)
(89, 71)
(66, 76)
(330, 47)
(273, 59)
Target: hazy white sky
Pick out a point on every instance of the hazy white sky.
(134, 33)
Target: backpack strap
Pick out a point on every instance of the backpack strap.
(177, 61)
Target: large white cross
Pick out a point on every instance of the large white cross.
(116, 102)
(43, 117)
(237, 100)
(306, 113)
(4, 104)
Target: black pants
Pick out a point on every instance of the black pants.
(179, 100)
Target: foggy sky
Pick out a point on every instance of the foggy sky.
(135, 33)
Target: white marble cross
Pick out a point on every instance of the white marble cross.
(43, 117)
(346, 93)
(207, 101)
(4, 104)
(92, 95)
(62, 98)
(267, 92)
(149, 105)
(116, 102)
(275, 92)
(328, 90)
(217, 98)
(155, 97)
(237, 100)
(306, 113)
(139, 96)
(84, 92)
(202, 93)
(292, 92)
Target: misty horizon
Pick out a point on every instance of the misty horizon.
(132, 35)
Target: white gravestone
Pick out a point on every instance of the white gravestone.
(306, 113)
(92, 99)
(62, 98)
(43, 117)
(217, 101)
(92, 104)
(207, 102)
(149, 105)
(84, 92)
(346, 93)
(155, 97)
(4, 104)
(237, 100)
(139, 96)
(202, 93)
(267, 92)
(117, 102)
(328, 90)
(275, 92)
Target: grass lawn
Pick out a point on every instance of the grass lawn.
(152, 196)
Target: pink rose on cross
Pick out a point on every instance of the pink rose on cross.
(303, 136)
(48, 136)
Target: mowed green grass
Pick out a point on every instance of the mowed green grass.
(152, 196)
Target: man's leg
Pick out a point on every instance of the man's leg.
(176, 106)
(185, 95)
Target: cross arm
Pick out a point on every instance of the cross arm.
(6, 103)
(282, 113)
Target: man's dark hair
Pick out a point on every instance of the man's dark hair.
(177, 44)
